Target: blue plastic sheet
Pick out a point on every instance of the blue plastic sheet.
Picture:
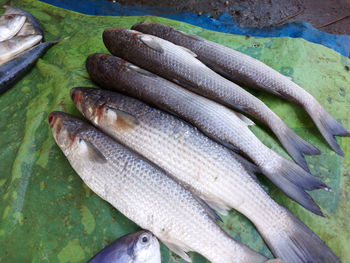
(225, 23)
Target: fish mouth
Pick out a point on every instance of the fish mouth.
(76, 95)
(52, 119)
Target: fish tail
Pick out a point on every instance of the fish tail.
(293, 181)
(327, 125)
(296, 146)
(292, 241)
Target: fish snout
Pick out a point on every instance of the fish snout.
(52, 119)
(76, 95)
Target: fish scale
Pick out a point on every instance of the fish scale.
(216, 121)
(246, 70)
(143, 193)
(211, 170)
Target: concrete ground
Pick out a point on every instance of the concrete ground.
(260, 13)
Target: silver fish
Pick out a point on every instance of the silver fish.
(145, 194)
(178, 64)
(10, 25)
(210, 169)
(31, 26)
(12, 71)
(249, 71)
(214, 120)
(16, 45)
(139, 247)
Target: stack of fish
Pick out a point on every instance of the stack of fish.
(167, 148)
(21, 45)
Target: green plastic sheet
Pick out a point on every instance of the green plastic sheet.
(47, 214)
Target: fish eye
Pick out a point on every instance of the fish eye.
(144, 240)
(80, 140)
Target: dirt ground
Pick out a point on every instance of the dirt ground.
(260, 13)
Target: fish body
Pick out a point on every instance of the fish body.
(178, 64)
(16, 45)
(211, 170)
(139, 247)
(143, 193)
(214, 120)
(253, 73)
(32, 25)
(10, 25)
(15, 69)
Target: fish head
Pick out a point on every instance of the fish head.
(153, 28)
(146, 248)
(13, 20)
(105, 108)
(121, 40)
(100, 64)
(67, 130)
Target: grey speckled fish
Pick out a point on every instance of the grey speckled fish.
(210, 169)
(139, 247)
(249, 71)
(145, 194)
(10, 25)
(179, 65)
(213, 119)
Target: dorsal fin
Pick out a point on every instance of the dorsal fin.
(151, 42)
(194, 37)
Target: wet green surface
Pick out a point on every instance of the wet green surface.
(47, 214)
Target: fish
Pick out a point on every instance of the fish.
(246, 70)
(142, 192)
(211, 170)
(16, 45)
(179, 65)
(216, 121)
(10, 25)
(139, 247)
(31, 26)
(15, 69)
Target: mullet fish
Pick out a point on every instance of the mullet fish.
(145, 194)
(179, 64)
(139, 247)
(210, 169)
(214, 120)
(249, 71)
(10, 25)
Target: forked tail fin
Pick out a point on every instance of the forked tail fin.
(295, 145)
(327, 125)
(293, 181)
(292, 241)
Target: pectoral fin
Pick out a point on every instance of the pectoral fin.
(93, 153)
(177, 250)
(122, 119)
(151, 42)
(140, 71)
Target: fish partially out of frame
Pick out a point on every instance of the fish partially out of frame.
(139, 247)
(253, 73)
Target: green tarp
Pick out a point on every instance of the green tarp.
(47, 214)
